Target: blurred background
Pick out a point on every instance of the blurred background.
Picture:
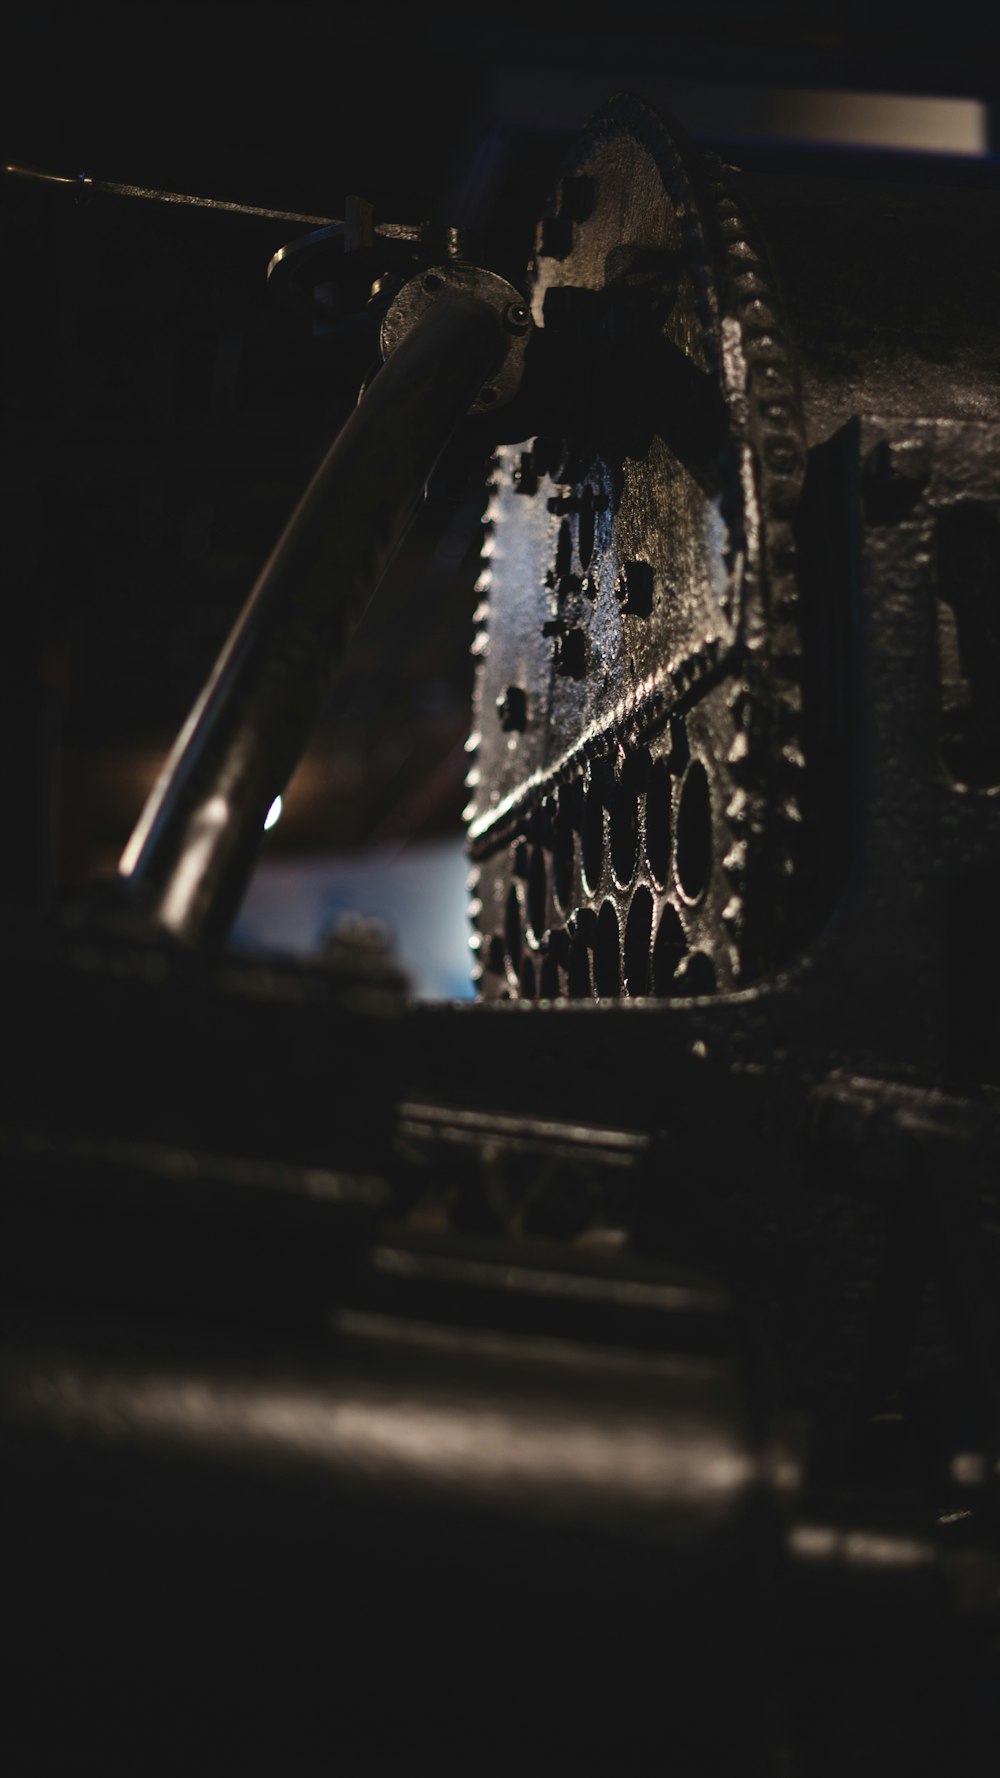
(164, 407)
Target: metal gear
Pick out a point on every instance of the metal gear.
(638, 773)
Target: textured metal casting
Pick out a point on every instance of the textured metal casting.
(638, 766)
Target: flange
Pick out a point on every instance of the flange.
(441, 283)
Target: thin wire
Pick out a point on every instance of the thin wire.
(84, 182)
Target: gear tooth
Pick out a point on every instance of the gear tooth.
(748, 282)
(484, 581)
(789, 696)
(754, 754)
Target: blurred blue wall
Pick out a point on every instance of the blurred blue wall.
(418, 892)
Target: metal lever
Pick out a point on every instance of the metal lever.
(196, 841)
(86, 183)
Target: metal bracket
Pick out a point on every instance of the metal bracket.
(443, 283)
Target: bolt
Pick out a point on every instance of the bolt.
(516, 318)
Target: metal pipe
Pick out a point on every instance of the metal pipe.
(197, 838)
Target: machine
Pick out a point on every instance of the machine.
(606, 1371)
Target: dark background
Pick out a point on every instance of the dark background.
(163, 408)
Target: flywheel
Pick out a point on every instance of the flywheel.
(638, 773)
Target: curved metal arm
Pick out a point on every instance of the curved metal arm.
(196, 841)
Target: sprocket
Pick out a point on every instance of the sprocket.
(638, 777)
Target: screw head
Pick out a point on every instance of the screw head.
(516, 318)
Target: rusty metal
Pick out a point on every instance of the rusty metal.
(635, 829)
(439, 284)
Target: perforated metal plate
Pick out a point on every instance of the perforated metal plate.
(637, 758)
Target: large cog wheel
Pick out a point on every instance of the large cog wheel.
(638, 770)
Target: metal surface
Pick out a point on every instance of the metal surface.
(918, 338)
(195, 844)
(797, 1127)
(434, 1473)
(638, 778)
(411, 1531)
(83, 183)
(438, 284)
(619, 1357)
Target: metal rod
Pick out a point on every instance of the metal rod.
(113, 188)
(194, 847)
(328, 227)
